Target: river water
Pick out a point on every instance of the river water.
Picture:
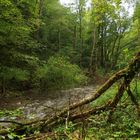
(51, 103)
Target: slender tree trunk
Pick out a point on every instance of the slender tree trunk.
(117, 54)
(3, 88)
(39, 9)
(102, 47)
(59, 38)
(80, 12)
(80, 33)
(118, 45)
(92, 62)
(75, 37)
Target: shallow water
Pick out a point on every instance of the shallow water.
(51, 103)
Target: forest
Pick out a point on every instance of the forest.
(69, 69)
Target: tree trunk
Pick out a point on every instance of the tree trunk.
(59, 38)
(3, 88)
(75, 37)
(92, 62)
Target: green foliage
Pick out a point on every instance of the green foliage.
(13, 31)
(108, 95)
(13, 73)
(13, 136)
(123, 127)
(11, 113)
(111, 92)
(59, 73)
(135, 87)
(17, 54)
(31, 32)
(125, 121)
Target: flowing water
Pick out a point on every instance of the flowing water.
(51, 103)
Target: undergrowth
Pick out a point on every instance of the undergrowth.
(125, 125)
(125, 121)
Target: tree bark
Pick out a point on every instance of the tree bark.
(133, 99)
(92, 62)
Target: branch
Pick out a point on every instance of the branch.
(14, 122)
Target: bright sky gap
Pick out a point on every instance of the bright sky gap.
(129, 7)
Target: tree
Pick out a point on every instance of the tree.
(15, 41)
(110, 23)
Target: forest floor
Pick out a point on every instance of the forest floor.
(32, 105)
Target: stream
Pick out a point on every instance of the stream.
(50, 103)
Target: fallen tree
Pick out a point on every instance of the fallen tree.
(127, 75)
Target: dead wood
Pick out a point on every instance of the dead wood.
(133, 99)
(13, 122)
(127, 73)
(118, 97)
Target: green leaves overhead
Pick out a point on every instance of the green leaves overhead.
(34, 31)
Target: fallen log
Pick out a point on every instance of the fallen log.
(12, 122)
(127, 73)
(119, 95)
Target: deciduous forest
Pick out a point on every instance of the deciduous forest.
(69, 70)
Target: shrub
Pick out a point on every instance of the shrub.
(16, 73)
(9, 77)
(59, 73)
